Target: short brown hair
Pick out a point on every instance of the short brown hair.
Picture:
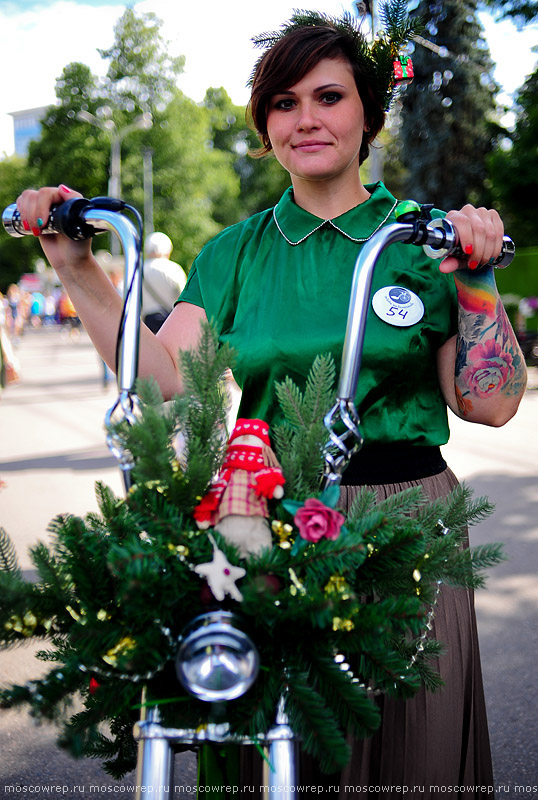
(291, 58)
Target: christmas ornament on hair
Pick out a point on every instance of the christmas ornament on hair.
(403, 70)
(236, 503)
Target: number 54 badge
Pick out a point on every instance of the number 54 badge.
(398, 306)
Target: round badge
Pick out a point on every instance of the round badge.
(398, 306)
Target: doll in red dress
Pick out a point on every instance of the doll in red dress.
(236, 503)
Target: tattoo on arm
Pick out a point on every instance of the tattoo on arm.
(488, 357)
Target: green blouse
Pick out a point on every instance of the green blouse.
(277, 287)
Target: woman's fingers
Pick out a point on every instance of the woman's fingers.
(34, 205)
(480, 232)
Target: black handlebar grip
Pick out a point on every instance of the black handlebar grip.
(66, 218)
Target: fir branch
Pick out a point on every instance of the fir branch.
(398, 26)
(402, 504)
(363, 503)
(8, 556)
(290, 399)
(315, 723)
(423, 652)
(356, 711)
(319, 391)
(464, 568)
(52, 573)
(300, 440)
(148, 391)
(388, 670)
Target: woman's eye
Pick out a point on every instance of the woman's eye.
(285, 104)
(330, 98)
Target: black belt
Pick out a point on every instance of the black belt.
(393, 463)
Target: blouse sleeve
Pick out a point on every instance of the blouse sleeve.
(192, 292)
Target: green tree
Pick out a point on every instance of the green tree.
(16, 255)
(447, 112)
(262, 180)
(141, 75)
(70, 151)
(521, 11)
(514, 171)
(192, 180)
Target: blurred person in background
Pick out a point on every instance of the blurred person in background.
(164, 280)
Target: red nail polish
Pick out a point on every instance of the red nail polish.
(473, 264)
(36, 231)
(468, 249)
(64, 188)
(26, 225)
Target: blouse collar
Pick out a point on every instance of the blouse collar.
(358, 224)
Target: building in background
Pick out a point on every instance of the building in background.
(26, 127)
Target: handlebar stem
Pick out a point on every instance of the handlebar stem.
(127, 367)
(129, 333)
(359, 303)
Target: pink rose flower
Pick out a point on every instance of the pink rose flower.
(490, 369)
(316, 521)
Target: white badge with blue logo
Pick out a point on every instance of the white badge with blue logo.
(398, 306)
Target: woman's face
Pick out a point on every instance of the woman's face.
(316, 126)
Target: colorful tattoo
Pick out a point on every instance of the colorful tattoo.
(490, 368)
(477, 295)
(488, 358)
(464, 404)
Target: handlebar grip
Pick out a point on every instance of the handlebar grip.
(66, 218)
(442, 241)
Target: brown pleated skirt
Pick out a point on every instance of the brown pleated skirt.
(435, 744)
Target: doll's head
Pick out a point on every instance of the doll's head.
(252, 432)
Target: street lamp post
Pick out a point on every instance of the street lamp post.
(148, 190)
(116, 135)
(376, 158)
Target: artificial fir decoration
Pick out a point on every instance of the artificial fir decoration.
(116, 589)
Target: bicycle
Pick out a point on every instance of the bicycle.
(213, 650)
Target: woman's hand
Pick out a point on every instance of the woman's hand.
(480, 232)
(34, 207)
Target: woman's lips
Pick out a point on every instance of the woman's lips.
(310, 146)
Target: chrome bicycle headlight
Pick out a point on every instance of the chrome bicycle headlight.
(216, 660)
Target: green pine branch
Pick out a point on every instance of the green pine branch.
(8, 556)
(300, 440)
(315, 723)
(398, 26)
(355, 710)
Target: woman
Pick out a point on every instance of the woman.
(277, 287)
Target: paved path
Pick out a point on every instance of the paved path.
(52, 451)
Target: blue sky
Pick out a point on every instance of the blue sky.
(38, 39)
(16, 6)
